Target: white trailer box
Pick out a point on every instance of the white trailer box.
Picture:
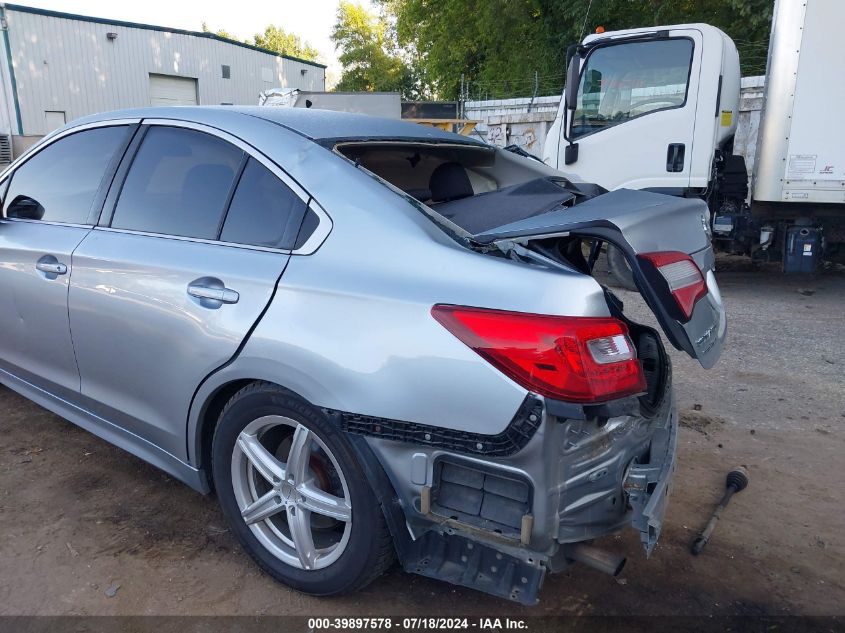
(801, 145)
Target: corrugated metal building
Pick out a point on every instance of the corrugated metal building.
(56, 67)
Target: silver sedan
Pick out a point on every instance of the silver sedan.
(374, 340)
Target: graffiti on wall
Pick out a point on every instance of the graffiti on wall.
(522, 135)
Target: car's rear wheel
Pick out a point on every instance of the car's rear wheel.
(295, 495)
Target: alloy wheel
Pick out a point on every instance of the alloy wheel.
(291, 492)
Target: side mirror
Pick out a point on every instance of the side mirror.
(25, 208)
(573, 72)
(570, 100)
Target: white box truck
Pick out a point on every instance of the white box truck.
(656, 109)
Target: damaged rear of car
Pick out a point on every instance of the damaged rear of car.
(368, 337)
(591, 451)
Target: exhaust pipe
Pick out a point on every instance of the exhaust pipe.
(596, 558)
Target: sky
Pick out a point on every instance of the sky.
(312, 20)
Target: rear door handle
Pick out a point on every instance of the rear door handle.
(212, 293)
(51, 266)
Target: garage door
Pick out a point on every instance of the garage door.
(167, 90)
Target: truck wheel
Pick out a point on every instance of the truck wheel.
(619, 268)
(294, 494)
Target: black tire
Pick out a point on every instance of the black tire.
(369, 552)
(619, 268)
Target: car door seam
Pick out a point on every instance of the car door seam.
(103, 189)
(240, 348)
(67, 307)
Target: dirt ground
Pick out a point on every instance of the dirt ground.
(88, 529)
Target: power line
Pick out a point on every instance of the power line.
(584, 26)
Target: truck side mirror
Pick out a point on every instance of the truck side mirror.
(570, 99)
(573, 72)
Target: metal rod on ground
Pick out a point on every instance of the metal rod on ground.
(736, 481)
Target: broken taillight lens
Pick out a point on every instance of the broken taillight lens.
(577, 359)
(682, 275)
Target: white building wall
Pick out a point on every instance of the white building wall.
(482, 110)
(66, 64)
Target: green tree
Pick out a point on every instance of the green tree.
(219, 32)
(276, 39)
(499, 45)
(369, 54)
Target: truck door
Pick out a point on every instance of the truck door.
(635, 112)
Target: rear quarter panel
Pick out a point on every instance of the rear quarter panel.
(350, 326)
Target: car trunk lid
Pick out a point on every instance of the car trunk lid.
(660, 236)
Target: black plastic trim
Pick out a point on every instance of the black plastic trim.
(119, 177)
(516, 435)
(109, 175)
(468, 563)
(565, 410)
(378, 479)
(439, 498)
(719, 96)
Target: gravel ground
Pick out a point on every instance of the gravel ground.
(89, 529)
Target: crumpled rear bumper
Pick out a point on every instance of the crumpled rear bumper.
(616, 476)
(649, 485)
(499, 524)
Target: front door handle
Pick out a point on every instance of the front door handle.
(51, 267)
(675, 157)
(212, 293)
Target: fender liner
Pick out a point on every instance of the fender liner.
(391, 507)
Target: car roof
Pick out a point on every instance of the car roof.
(325, 127)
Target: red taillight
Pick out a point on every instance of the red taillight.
(578, 359)
(683, 277)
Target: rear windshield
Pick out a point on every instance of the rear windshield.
(476, 188)
(416, 168)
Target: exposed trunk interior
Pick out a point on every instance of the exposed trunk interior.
(513, 206)
(477, 188)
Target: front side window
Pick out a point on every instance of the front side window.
(620, 82)
(264, 211)
(58, 184)
(178, 184)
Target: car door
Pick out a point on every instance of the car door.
(636, 109)
(169, 286)
(50, 205)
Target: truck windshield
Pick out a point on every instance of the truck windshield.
(622, 81)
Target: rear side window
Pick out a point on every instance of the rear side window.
(264, 211)
(58, 184)
(178, 184)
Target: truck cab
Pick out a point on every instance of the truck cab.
(652, 108)
(657, 108)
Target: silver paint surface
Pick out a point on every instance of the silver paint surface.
(347, 327)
